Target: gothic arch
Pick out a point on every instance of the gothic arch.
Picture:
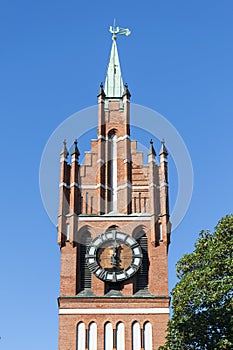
(139, 231)
(112, 227)
(80, 236)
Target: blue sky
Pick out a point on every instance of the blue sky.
(54, 54)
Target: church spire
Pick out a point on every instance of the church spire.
(114, 86)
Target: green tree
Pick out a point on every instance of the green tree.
(202, 300)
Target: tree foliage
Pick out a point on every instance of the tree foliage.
(203, 298)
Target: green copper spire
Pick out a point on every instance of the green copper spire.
(114, 86)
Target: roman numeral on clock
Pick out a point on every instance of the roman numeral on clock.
(103, 274)
(93, 266)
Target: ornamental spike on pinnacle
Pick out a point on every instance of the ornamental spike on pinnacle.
(126, 91)
(75, 149)
(64, 150)
(151, 149)
(163, 149)
(101, 91)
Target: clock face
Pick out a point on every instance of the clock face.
(114, 256)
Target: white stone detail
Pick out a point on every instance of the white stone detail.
(115, 311)
(121, 138)
(84, 187)
(63, 184)
(102, 137)
(163, 159)
(115, 218)
(151, 159)
(140, 187)
(74, 184)
(154, 185)
(63, 159)
(120, 187)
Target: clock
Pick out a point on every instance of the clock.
(114, 256)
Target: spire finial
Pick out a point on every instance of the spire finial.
(75, 149)
(151, 149)
(163, 149)
(117, 30)
(64, 151)
(101, 91)
(126, 91)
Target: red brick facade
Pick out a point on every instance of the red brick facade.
(86, 210)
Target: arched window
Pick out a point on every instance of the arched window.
(81, 337)
(92, 336)
(120, 336)
(147, 334)
(136, 336)
(108, 336)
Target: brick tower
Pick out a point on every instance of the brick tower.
(113, 232)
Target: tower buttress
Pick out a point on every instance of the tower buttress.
(101, 180)
(64, 194)
(75, 197)
(153, 191)
(164, 200)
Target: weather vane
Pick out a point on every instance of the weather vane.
(117, 30)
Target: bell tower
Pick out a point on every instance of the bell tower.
(114, 233)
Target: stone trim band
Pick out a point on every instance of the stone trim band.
(155, 310)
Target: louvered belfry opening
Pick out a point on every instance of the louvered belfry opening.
(142, 275)
(85, 273)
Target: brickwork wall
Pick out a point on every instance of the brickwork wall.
(142, 205)
(68, 328)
